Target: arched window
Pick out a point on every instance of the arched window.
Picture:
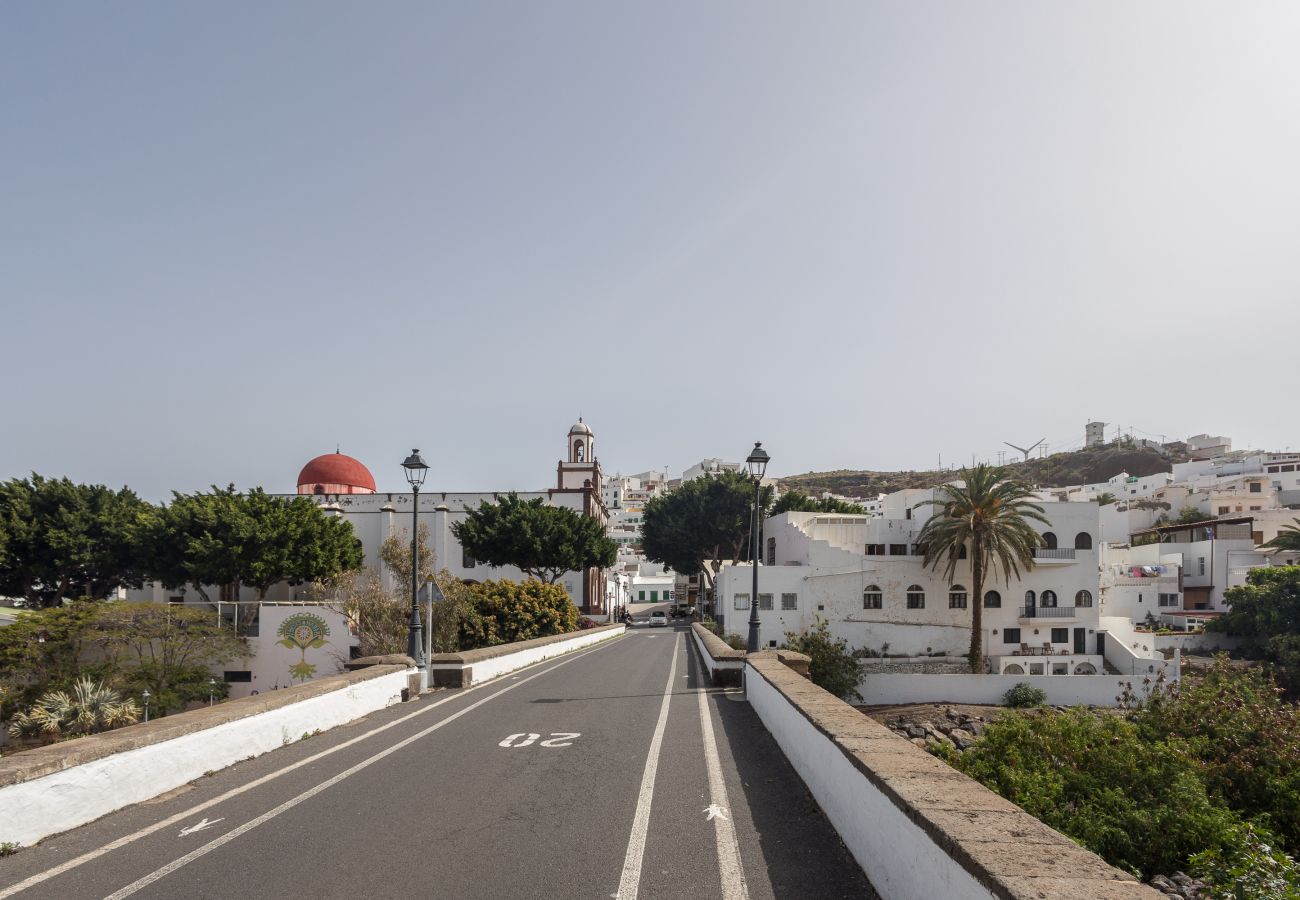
(872, 597)
(1048, 599)
(961, 554)
(1049, 540)
(956, 597)
(1014, 669)
(916, 597)
(1083, 598)
(1085, 668)
(992, 600)
(1083, 541)
(318, 489)
(578, 451)
(1029, 598)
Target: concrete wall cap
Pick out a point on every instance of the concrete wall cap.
(714, 645)
(469, 657)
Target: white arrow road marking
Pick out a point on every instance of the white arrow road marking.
(199, 826)
(715, 812)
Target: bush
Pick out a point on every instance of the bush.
(89, 708)
(833, 666)
(735, 641)
(506, 612)
(1251, 867)
(1023, 695)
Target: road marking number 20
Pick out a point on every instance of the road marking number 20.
(557, 739)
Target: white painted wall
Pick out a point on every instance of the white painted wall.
(868, 822)
(497, 666)
(36, 809)
(1062, 690)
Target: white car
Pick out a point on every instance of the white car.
(658, 619)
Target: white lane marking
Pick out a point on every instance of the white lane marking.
(287, 805)
(730, 869)
(714, 810)
(91, 855)
(630, 883)
(199, 826)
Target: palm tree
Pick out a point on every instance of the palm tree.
(1288, 538)
(91, 707)
(987, 513)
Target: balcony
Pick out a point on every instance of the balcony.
(1043, 555)
(1048, 612)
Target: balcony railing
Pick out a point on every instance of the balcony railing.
(1061, 553)
(1048, 612)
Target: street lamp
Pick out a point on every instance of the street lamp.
(212, 689)
(416, 468)
(757, 463)
(144, 695)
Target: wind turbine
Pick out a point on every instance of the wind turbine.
(1024, 450)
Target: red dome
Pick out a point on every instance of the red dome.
(335, 474)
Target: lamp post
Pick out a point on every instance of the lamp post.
(416, 468)
(757, 463)
(212, 689)
(144, 695)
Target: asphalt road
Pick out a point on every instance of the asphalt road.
(613, 772)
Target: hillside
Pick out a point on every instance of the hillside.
(1076, 467)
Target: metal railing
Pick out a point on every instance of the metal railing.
(1059, 553)
(1047, 612)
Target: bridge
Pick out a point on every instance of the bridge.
(624, 768)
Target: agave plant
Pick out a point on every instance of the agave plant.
(91, 706)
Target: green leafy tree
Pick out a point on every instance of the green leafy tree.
(1252, 867)
(1189, 515)
(986, 514)
(1288, 538)
(228, 538)
(508, 611)
(160, 646)
(797, 501)
(703, 523)
(1105, 499)
(542, 541)
(43, 650)
(1266, 611)
(833, 665)
(60, 540)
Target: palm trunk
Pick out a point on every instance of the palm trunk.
(976, 655)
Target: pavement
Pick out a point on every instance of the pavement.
(610, 772)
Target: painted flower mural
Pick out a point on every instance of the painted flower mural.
(304, 631)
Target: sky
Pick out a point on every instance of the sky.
(871, 235)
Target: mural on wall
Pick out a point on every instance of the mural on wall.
(306, 632)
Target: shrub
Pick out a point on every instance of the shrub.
(507, 612)
(833, 666)
(1250, 867)
(90, 707)
(734, 641)
(1023, 695)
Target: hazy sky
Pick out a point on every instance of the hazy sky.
(234, 234)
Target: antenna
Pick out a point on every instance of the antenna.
(1024, 450)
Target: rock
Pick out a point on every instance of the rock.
(952, 714)
(914, 731)
(920, 742)
(946, 727)
(961, 738)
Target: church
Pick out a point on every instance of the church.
(344, 486)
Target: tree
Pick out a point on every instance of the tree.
(986, 514)
(703, 523)
(1288, 538)
(165, 646)
(797, 501)
(1189, 515)
(227, 537)
(60, 540)
(542, 541)
(42, 650)
(1105, 499)
(1266, 611)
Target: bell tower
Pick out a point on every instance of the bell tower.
(579, 468)
(579, 477)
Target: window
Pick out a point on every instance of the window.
(1029, 598)
(1083, 598)
(764, 601)
(1011, 635)
(1048, 598)
(789, 601)
(897, 549)
(1255, 487)
(875, 549)
(872, 597)
(640, 597)
(771, 551)
(956, 597)
(1223, 510)
(741, 601)
(916, 597)
(1060, 635)
(1083, 541)
(1200, 563)
(1168, 599)
(1049, 540)
(241, 677)
(176, 600)
(992, 600)
(466, 561)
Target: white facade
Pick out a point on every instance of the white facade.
(865, 576)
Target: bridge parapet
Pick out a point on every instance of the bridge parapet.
(916, 826)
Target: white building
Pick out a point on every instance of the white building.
(865, 576)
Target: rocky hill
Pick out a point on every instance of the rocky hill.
(1076, 467)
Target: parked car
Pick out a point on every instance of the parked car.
(658, 619)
